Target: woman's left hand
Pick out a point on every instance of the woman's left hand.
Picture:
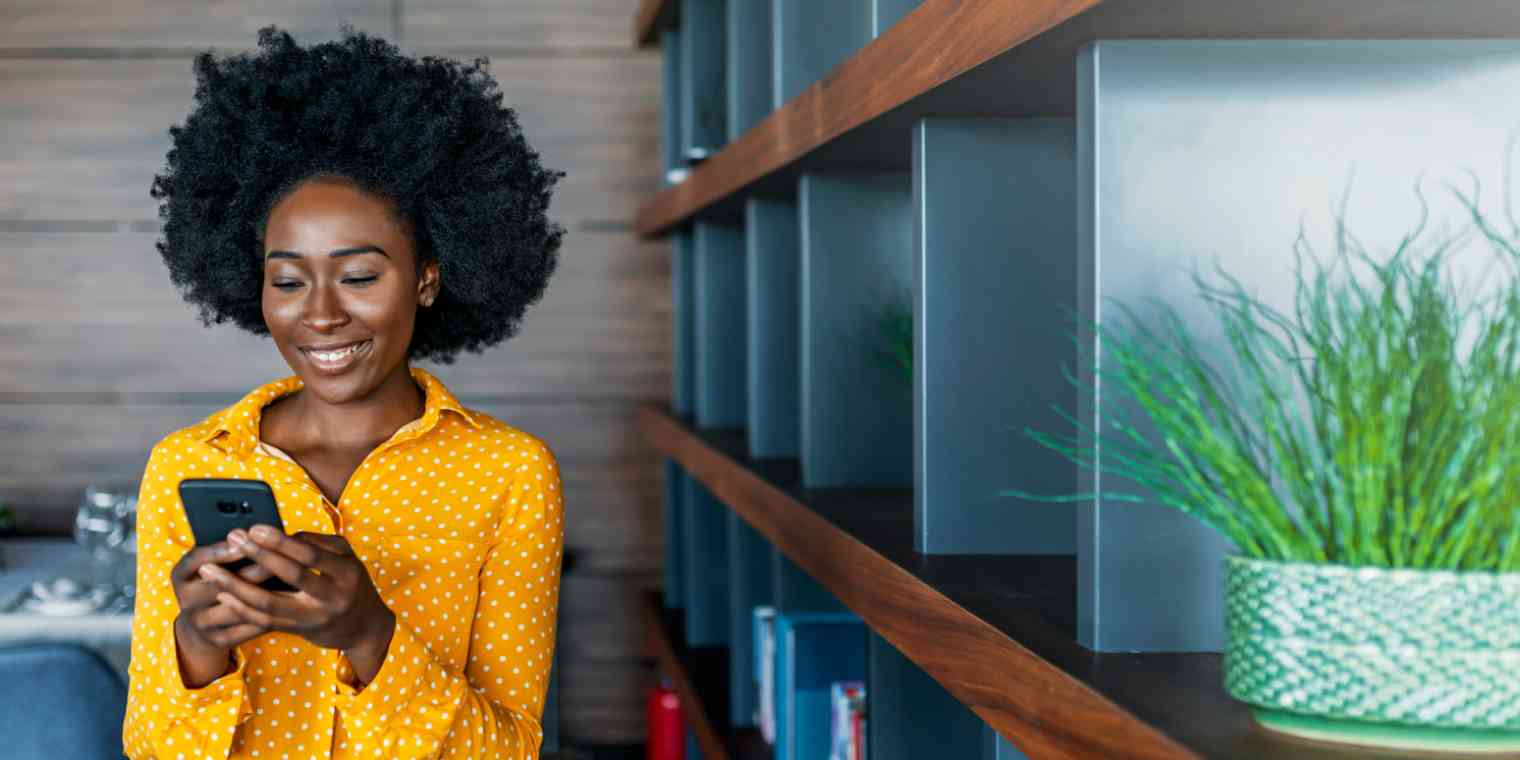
(337, 607)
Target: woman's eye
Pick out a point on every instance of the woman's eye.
(360, 280)
(287, 285)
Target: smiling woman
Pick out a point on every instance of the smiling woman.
(363, 209)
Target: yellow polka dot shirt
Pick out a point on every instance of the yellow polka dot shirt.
(458, 518)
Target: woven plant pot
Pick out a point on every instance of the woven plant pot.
(1420, 659)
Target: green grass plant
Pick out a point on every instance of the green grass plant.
(894, 341)
(1376, 424)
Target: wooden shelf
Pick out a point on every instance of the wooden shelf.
(997, 632)
(1004, 58)
(700, 677)
(652, 16)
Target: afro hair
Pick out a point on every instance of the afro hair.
(430, 135)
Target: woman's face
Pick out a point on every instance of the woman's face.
(341, 289)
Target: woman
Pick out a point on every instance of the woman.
(363, 209)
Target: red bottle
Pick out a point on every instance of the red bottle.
(667, 732)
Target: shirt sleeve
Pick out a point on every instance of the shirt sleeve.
(164, 718)
(420, 707)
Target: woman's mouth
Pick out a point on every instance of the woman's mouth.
(337, 359)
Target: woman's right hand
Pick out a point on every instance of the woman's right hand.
(207, 630)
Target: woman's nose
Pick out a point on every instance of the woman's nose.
(324, 310)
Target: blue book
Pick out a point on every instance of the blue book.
(813, 650)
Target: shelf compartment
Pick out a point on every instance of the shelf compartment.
(796, 591)
(901, 699)
(1162, 151)
(813, 649)
(811, 38)
(772, 262)
(720, 329)
(857, 262)
(704, 565)
(995, 286)
(704, 102)
(748, 64)
(749, 583)
(673, 519)
(671, 120)
(683, 283)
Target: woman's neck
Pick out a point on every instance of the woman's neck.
(306, 421)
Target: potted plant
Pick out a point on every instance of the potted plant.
(1362, 453)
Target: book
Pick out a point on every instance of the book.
(765, 671)
(847, 700)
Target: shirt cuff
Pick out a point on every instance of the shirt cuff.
(216, 708)
(410, 686)
(227, 688)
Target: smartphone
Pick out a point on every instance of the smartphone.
(214, 506)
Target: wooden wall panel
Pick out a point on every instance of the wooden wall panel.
(179, 24)
(99, 356)
(533, 24)
(106, 278)
(110, 320)
(85, 137)
(594, 696)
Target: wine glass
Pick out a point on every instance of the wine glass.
(126, 551)
(98, 529)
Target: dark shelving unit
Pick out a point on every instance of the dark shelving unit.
(998, 166)
(997, 631)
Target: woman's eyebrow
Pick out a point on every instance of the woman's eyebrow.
(334, 254)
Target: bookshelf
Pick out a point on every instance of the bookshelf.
(988, 165)
(1007, 58)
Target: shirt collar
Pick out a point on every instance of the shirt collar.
(240, 422)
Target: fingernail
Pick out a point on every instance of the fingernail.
(262, 531)
(237, 539)
(208, 572)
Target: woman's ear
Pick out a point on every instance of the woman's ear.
(429, 284)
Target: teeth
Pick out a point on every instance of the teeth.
(332, 356)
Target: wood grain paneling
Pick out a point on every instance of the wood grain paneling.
(560, 355)
(105, 316)
(602, 614)
(180, 24)
(595, 700)
(569, 25)
(93, 279)
(83, 138)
